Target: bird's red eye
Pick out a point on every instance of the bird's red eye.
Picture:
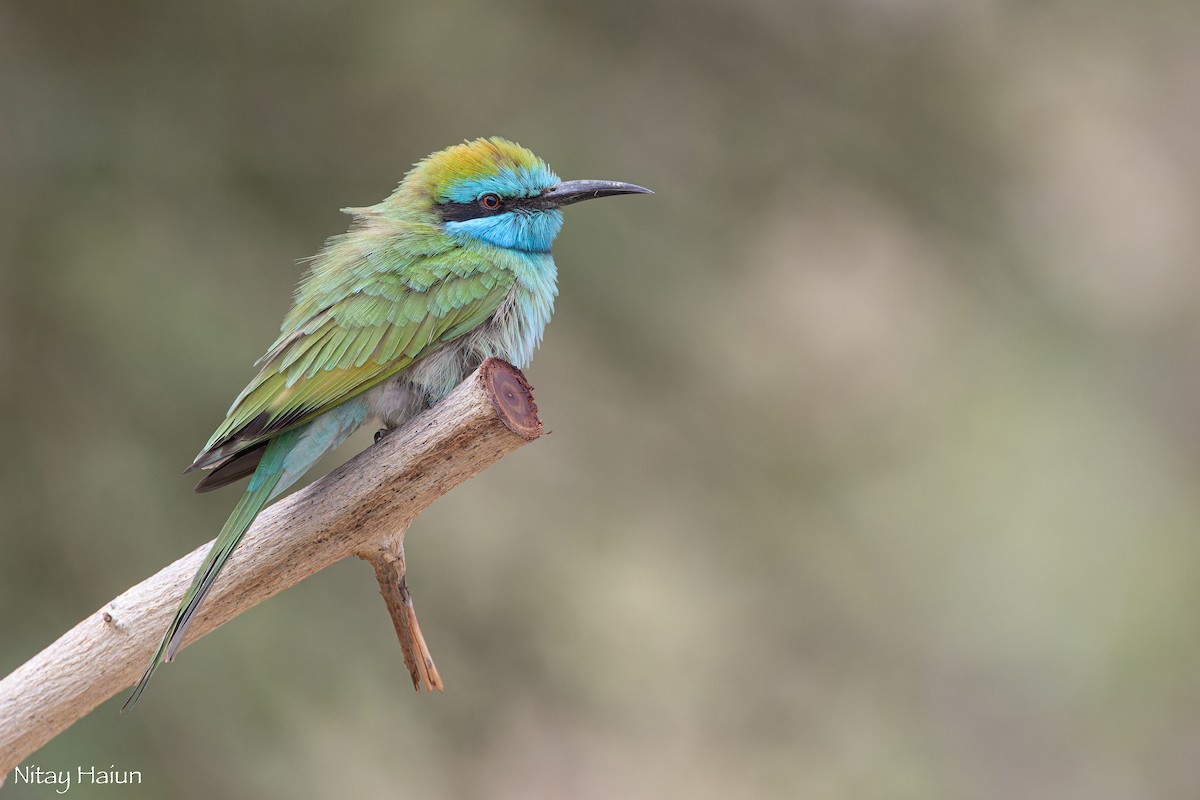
(490, 201)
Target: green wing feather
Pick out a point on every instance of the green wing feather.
(378, 324)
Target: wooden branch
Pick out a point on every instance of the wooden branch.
(387, 557)
(362, 507)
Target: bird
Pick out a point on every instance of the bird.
(452, 268)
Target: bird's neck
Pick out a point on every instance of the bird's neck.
(522, 319)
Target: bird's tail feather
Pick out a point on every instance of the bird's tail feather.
(261, 489)
(288, 456)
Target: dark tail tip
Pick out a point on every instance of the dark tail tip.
(131, 701)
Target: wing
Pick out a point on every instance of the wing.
(378, 325)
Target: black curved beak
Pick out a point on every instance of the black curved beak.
(568, 192)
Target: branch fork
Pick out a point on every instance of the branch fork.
(362, 508)
(387, 557)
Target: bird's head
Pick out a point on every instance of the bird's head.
(496, 191)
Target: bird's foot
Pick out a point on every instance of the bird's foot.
(382, 432)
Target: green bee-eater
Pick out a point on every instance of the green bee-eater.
(451, 269)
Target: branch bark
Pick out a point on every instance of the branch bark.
(387, 557)
(361, 508)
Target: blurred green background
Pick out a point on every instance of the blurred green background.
(875, 450)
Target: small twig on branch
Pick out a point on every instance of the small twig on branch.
(363, 507)
(387, 557)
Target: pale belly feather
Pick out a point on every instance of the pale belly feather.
(513, 334)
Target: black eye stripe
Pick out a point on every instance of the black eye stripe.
(460, 212)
